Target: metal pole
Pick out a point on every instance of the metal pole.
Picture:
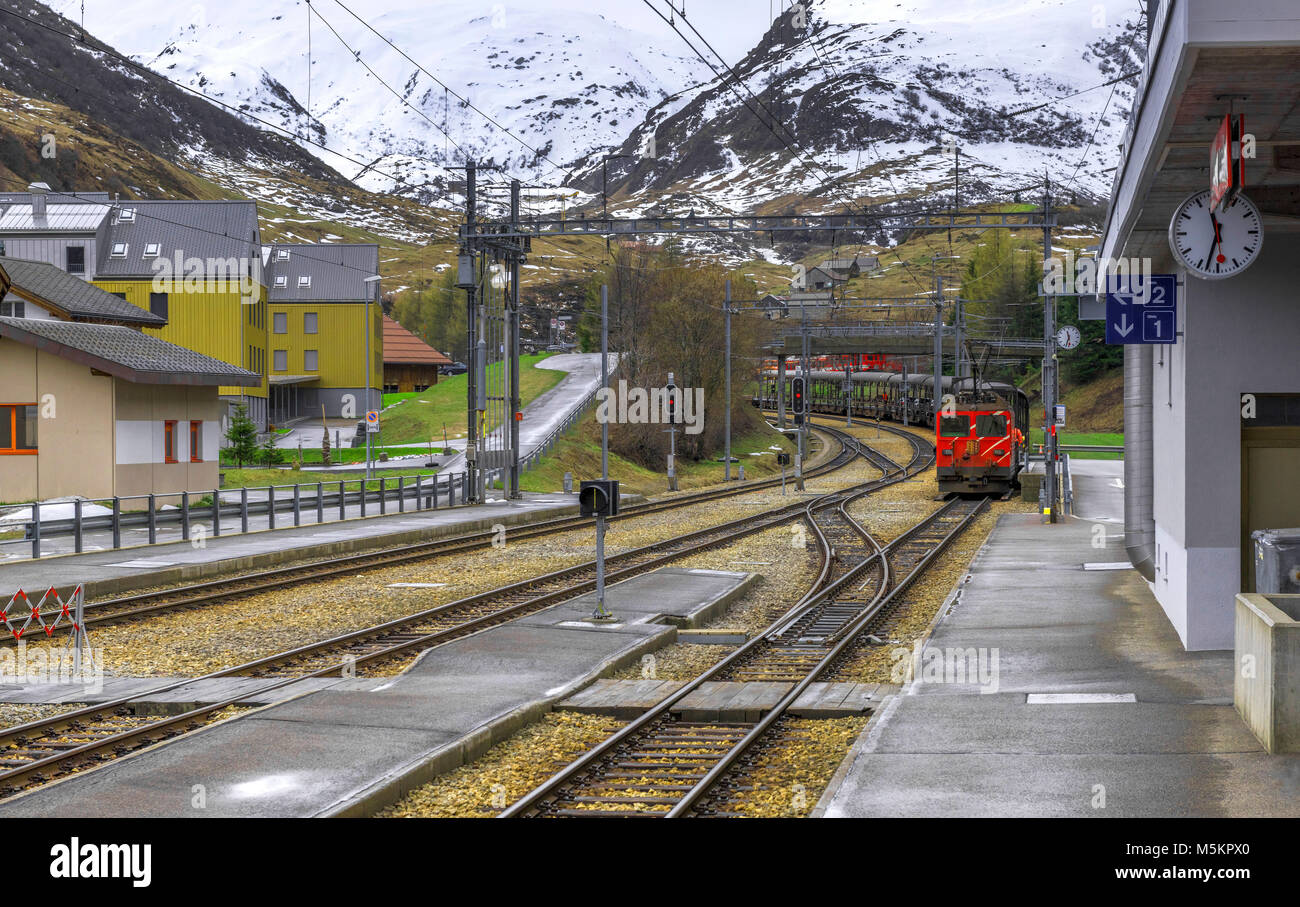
(512, 322)
(604, 425)
(153, 519)
(185, 517)
(937, 393)
(726, 307)
(216, 513)
(36, 529)
(117, 520)
(471, 339)
(366, 318)
(1049, 368)
(320, 502)
(780, 390)
(76, 526)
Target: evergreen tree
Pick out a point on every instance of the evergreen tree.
(241, 437)
(270, 454)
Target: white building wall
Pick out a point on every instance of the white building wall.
(1240, 336)
(52, 249)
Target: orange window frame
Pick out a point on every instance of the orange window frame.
(13, 431)
(196, 438)
(169, 441)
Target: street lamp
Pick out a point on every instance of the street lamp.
(369, 369)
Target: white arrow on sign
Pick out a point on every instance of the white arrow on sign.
(1123, 328)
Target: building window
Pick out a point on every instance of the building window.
(76, 260)
(118, 295)
(390, 388)
(13, 309)
(126, 216)
(169, 441)
(309, 360)
(196, 442)
(281, 360)
(280, 322)
(118, 250)
(281, 281)
(420, 388)
(309, 322)
(158, 304)
(18, 428)
(151, 249)
(281, 254)
(304, 282)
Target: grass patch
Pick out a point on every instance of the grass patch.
(260, 478)
(1093, 438)
(425, 416)
(578, 452)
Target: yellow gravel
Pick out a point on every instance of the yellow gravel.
(13, 714)
(790, 774)
(507, 771)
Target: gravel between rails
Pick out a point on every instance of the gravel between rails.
(13, 714)
(789, 774)
(878, 664)
(194, 642)
(489, 784)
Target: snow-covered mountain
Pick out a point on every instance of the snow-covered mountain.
(839, 101)
(878, 99)
(563, 82)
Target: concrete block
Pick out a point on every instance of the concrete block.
(1266, 676)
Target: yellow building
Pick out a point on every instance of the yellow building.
(323, 304)
(197, 264)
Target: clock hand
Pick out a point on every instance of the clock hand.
(1214, 242)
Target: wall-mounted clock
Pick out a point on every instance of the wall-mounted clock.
(1216, 244)
(1068, 337)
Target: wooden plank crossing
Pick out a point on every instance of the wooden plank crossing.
(729, 701)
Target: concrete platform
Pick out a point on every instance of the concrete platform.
(729, 701)
(348, 751)
(142, 692)
(109, 572)
(1131, 720)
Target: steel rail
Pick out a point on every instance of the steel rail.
(534, 798)
(195, 596)
(163, 728)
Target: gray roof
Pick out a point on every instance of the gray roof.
(204, 229)
(58, 218)
(337, 270)
(125, 353)
(53, 197)
(80, 300)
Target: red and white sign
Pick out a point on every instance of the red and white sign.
(1227, 166)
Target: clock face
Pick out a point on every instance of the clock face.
(1068, 337)
(1216, 244)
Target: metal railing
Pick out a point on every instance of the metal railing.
(547, 444)
(199, 520)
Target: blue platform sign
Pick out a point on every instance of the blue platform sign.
(1133, 316)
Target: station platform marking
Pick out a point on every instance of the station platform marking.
(1077, 698)
(725, 700)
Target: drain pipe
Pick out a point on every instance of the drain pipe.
(1139, 461)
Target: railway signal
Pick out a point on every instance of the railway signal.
(796, 398)
(599, 498)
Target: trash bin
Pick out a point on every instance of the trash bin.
(1277, 560)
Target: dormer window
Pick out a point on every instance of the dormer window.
(304, 282)
(281, 254)
(281, 281)
(119, 250)
(151, 249)
(126, 216)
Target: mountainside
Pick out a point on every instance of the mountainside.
(563, 82)
(874, 96)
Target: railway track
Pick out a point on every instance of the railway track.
(662, 766)
(136, 606)
(39, 751)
